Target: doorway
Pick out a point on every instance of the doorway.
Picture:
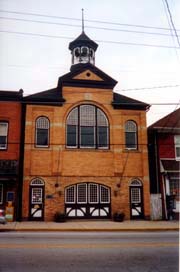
(36, 207)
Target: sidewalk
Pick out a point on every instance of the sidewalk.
(127, 225)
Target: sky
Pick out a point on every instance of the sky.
(138, 46)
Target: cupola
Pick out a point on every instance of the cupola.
(83, 48)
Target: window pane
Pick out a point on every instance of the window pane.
(102, 137)
(36, 196)
(3, 135)
(42, 122)
(82, 193)
(130, 126)
(87, 115)
(87, 137)
(42, 137)
(93, 193)
(177, 140)
(70, 194)
(3, 142)
(135, 195)
(131, 140)
(177, 152)
(104, 193)
(71, 135)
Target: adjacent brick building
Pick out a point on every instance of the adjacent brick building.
(85, 150)
(10, 137)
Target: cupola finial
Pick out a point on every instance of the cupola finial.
(82, 20)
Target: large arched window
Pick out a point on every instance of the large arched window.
(130, 135)
(87, 127)
(42, 131)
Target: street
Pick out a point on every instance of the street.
(89, 251)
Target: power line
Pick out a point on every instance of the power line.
(150, 88)
(172, 23)
(92, 21)
(172, 34)
(92, 27)
(101, 41)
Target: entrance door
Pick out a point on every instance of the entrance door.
(87, 200)
(36, 210)
(136, 200)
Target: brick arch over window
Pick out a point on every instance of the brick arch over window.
(87, 126)
(42, 132)
(131, 135)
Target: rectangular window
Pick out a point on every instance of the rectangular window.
(177, 146)
(36, 196)
(70, 194)
(131, 140)
(10, 196)
(87, 136)
(72, 135)
(81, 193)
(93, 193)
(42, 137)
(3, 135)
(135, 195)
(1, 193)
(102, 137)
(104, 194)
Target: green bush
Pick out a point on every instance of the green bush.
(59, 217)
(118, 216)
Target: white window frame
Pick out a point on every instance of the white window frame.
(89, 193)
(66, 191)
(108, 190)
(47, 127)
(134, 132)
(81, 202)
(4, 146)
(177, 146)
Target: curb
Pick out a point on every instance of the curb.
(89, 230)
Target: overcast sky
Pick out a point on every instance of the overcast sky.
(135, 46)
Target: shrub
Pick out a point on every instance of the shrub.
(118, 216)
(59, 217)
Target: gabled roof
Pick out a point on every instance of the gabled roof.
(124, 102)
(49, 97)
(69, 78)
(170, 121)
(11, 95)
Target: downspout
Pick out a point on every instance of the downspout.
(21, 162)
(164, 196)
(156, 163)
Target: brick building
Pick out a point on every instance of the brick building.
(85, 151)
(164, 162)
(10, 137)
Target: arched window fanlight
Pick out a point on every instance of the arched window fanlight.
(87, 127)
(37, 182)
(135, 182)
